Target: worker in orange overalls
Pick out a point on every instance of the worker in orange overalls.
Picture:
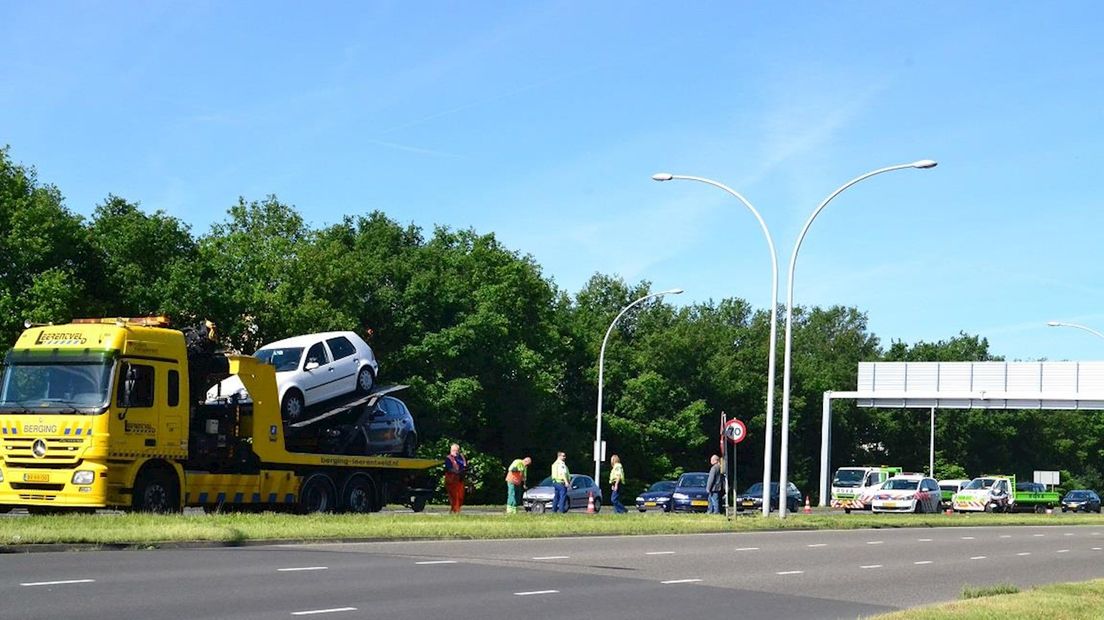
(455, 470)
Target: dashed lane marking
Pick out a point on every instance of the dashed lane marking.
(818, 545)
(967, 538)
(299, 568)
(978, 557)
(1038, 535)
(1024, 553)
(552, 557)
(871, 566)
(536, 592)
(921, 540)
(747, 548)
(660, 553)
(437, 562)
(1096, 548)
(1062, 551)
(671, 581)
(874, 542)
(1006, 536)
(790, 572)
(57, 583)
(311, 612)
(923, 562)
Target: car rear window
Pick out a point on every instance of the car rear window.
(341, 347)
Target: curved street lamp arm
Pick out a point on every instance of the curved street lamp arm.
(1076, 326)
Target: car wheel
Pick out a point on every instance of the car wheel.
(410, 445)
(597, 504)
(292, 407)
(847, 511)
(642, 509)
(365, 380)
(538, 508)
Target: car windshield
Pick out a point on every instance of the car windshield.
(900, 484)
(948, 487)
(284, 359)
(1077, 495)
(980, 483)
(757, 489)
(693, 480)
(547, 482)
(848, 478)
(79, 386)
(662, 487)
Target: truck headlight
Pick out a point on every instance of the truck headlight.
(1, 474)
(84, 477)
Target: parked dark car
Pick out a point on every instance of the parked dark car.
(539, 498)
(658, 496)
(689, 494)
(1082, 500)
(752, 499)
(381, 424)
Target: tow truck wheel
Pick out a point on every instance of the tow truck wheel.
(358, 496)
(156, 491)
(317, 494)
(365, 380)
(418, 503)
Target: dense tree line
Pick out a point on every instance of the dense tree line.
(497, 356)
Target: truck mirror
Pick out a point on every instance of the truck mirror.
(130, 378)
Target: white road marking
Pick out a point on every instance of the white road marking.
(978, 557)
(874, 542)
(660, 553)
(921, 540)
(747, 548)
(1038, 535)
(552, 557)
(57, 583)
(790, 572)
(1024, 553)
(681, 581)
(871, 566)
(923, 562)
(1006, 536)
(1096, 548)
(1068, 534)
(437, 562)
(290, 570)
(322, 611)
(1062, 551)
(967, 538)
(818, 545)
(536, 592)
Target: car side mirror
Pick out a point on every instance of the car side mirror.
(311, 365)
(129, 381)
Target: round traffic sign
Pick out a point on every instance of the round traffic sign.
(735, 431)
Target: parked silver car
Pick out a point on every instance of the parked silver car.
(539, 498)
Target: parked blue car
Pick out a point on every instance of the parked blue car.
(658, 496)
(690, 495)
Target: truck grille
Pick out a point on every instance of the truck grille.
(59, 451)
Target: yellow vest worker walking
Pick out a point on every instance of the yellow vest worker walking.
(515, 482)
(617, 480)
(561, 481)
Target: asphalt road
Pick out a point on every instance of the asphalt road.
(823, 574)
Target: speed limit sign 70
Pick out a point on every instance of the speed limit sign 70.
(735, 431)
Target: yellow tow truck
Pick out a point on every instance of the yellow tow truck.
(112, 413)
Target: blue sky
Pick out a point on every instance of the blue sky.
(543, 121)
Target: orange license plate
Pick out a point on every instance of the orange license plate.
(36, 477)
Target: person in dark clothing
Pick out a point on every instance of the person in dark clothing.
(714, 485)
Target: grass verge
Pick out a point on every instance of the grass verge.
(1068, 601)
(237, 528)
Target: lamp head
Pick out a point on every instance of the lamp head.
(925, 163)
(1054, 323)
(674, 291)
(662, 176)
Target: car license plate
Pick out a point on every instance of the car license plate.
(889, 504)
(649, 504)
(36, 477)
(699, 502)
(748, 502)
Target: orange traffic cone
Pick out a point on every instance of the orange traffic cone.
(808, 509)
(590, 502)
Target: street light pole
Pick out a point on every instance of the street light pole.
(1075, 325)
(601, 366)
(786, 356)
(768, 454)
